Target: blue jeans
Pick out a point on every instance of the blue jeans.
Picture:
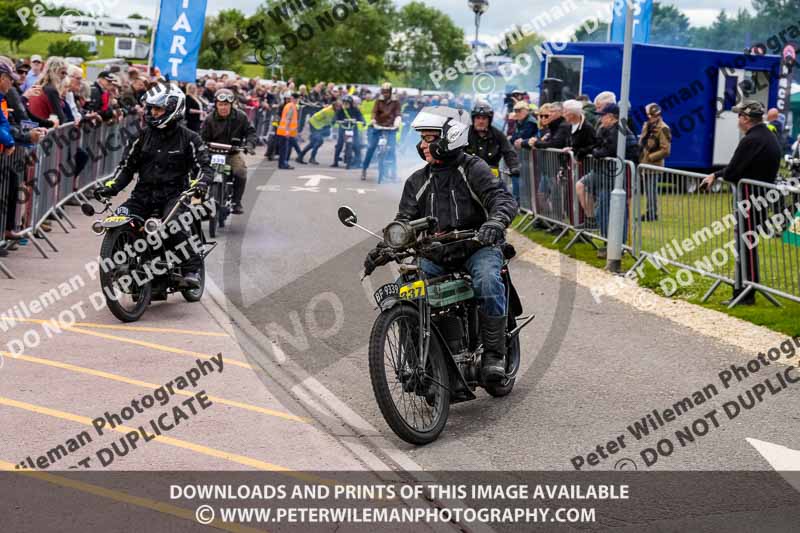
(314, 143)
(484, 268)
(356, 146)
(285, 146)
(374, 137)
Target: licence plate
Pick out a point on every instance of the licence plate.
(387, 291)
(217, 159)
(412, 291)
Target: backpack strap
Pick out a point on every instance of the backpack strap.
(463, 168)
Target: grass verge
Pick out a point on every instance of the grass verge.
(785, 319)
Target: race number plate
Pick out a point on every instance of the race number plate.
(387, 291)
(412, 291)
(217, 159)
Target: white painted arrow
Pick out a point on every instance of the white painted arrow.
(314, 179)
(780, 457)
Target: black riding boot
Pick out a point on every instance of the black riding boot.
(493, 337)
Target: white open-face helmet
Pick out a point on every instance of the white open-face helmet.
(452, 126)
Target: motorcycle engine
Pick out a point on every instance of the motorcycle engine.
(454, 333)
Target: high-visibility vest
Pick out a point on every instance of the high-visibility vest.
(288, 125)
(325, 117)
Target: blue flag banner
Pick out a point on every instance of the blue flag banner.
(179, 33)
(642, 15)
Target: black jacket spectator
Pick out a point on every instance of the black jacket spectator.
(556, 136)
(582, 140)
(757, 157)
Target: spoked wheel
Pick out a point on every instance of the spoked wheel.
(381, 161)
(504, 387)
(225, 204)
(414, 401)
(348, 154)
(126, 297)
(213, 219)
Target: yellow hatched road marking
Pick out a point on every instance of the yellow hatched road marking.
(131, 381)
(153, 345)
(178, 443)
(131, 328)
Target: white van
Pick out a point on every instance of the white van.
(119, 27)
(90, 40)
(131, 48)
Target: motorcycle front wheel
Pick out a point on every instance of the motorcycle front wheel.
(415, 402)
(126, 286)
(213, 219)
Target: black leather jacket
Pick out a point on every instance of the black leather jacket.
(492, 148)
(165, 160)
(462, 194)
(234, 129)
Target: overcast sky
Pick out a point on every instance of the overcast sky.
(501, 15)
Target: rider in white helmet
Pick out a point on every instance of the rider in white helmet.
(166, 155)
(461, 192)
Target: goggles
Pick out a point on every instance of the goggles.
(431, 138)
(225, 98)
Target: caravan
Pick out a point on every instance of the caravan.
(130, 48)
(118, 27)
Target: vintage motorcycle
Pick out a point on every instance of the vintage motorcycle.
(349, 127)
(221, 190)
(131, 279)
(424, 349)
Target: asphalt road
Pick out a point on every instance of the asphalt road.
(589, 370)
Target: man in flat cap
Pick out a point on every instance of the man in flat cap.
(757, 157)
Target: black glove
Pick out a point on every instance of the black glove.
(376, 257)
(514, 173)
(491, 232)
(103, 192)
(200, 190)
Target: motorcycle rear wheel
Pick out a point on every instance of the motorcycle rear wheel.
(138, 294)
(415, 405)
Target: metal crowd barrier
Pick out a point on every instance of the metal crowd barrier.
(40, 180)
(594, 181)
(769, 218)
(552, 190)
(678, 224)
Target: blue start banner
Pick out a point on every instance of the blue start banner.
(642, 14)
(178, 36)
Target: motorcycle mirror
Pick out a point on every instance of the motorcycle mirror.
(88, 209)
(347, 216)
